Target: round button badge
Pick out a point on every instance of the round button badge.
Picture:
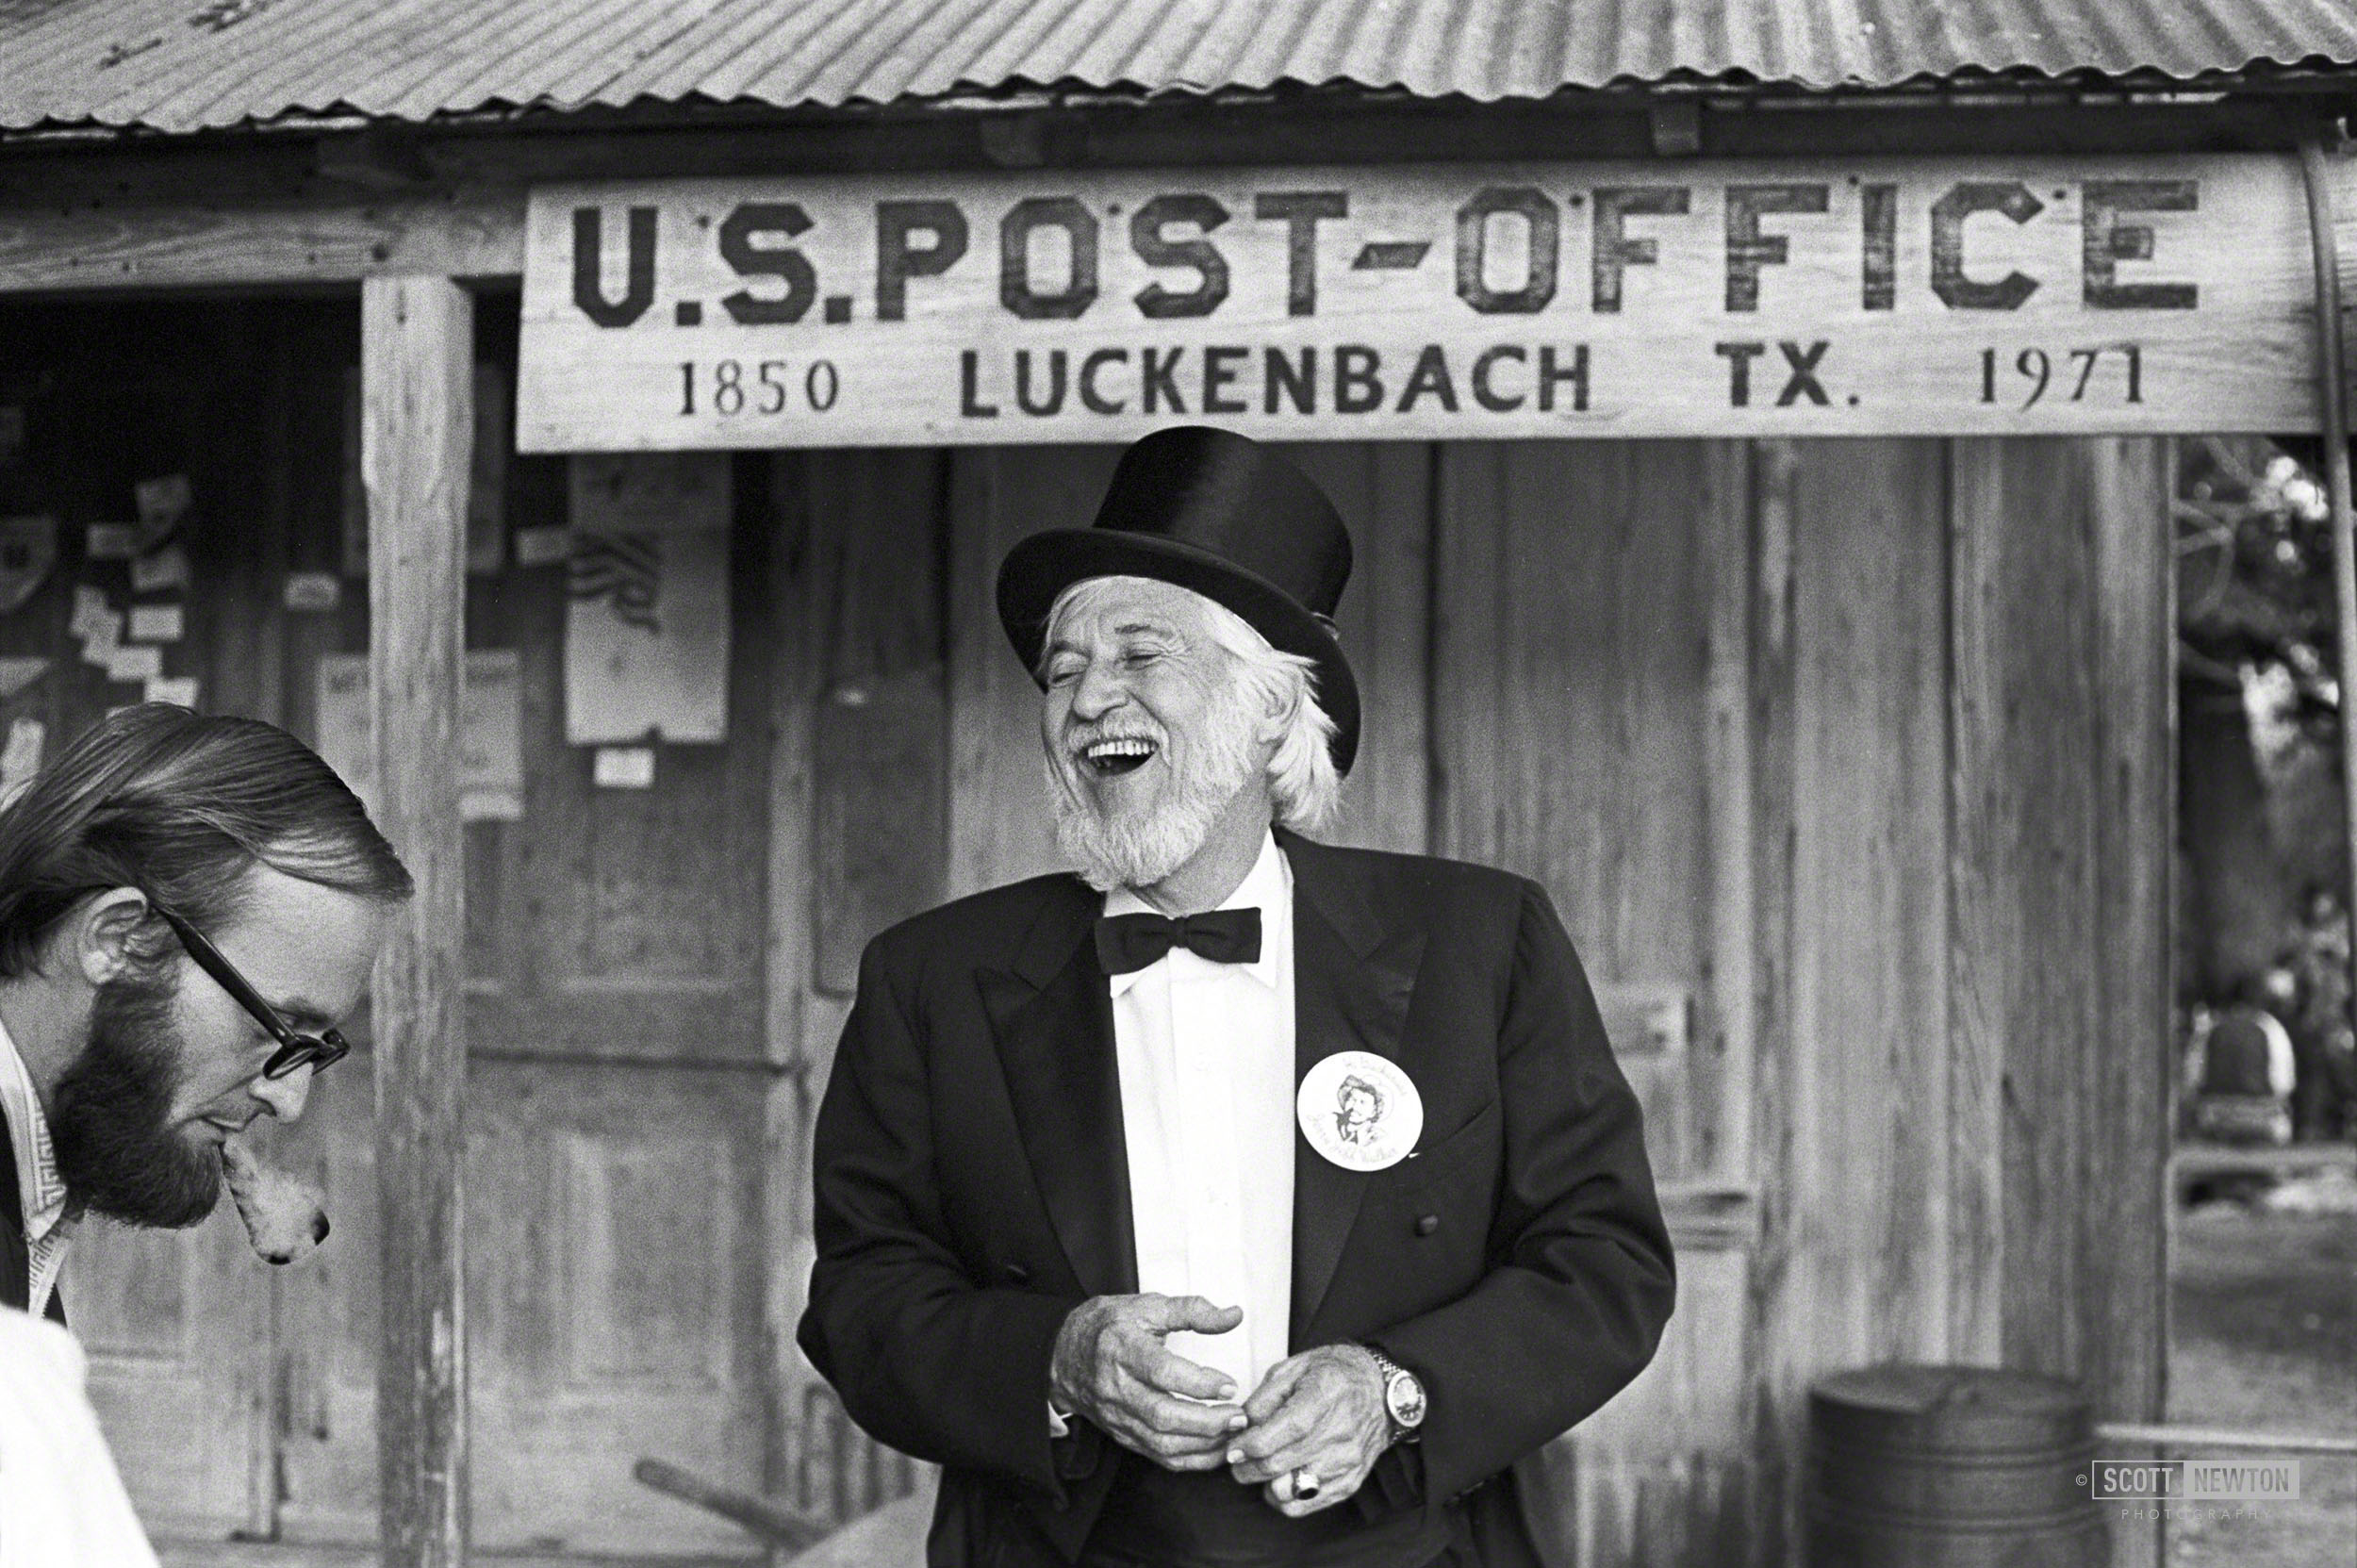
(1359, 1111)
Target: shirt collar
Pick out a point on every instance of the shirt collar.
(37, 1180)
(1268, 887)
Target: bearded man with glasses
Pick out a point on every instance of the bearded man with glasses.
(188, 906)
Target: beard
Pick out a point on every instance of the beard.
(1139, 843)
(117, 1151)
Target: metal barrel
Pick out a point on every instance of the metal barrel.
(1950, 1467)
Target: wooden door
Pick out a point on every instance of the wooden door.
(1588, 655)
(616, 1173)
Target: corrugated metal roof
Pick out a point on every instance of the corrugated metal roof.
(183, 65)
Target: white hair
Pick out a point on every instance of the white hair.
(1304, 786)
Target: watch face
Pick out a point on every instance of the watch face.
(1404, 1395)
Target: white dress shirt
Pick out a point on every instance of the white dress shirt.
(38, 1186)
(1206, 1057)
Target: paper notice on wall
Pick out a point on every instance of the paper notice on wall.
(89, 611)
(142, 662)
(158, 623)
(313, 592)
(542, 546)
(623, 768)
(647, 629)
(19, 671)
(166, 569)
(104, 635)
(179, 690)
(491, 731)
(21, 759)
(110, 542)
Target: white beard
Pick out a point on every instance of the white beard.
(1142, 846)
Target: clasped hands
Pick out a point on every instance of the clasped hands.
(1322, 1409)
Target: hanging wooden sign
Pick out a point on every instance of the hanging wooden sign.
(1979, 296)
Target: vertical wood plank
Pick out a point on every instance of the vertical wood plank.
(867, 553)
(1384, 491)
(1980, 922)
(2023, 866)
(1870, 910)
(1849, 806)
(1722, 1068)
(1001, 827)
(1469, 569)
(1781, 1375)
(2123, 1229)
(416, 378)
(799, 582)
(882, 723)
(1570, 629)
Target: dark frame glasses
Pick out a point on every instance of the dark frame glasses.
(317, 1052)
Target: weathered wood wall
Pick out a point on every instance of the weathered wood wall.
(1961, 690)
(1846, 764)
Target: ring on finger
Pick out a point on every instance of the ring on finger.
(1306, 1484)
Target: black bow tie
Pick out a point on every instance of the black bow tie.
(1127, 943)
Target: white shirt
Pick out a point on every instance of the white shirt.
(61, 1500)
(38, 1186)
(1206, 1057)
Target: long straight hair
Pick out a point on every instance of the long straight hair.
(180, 806)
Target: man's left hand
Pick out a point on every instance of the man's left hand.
(1323, 1410)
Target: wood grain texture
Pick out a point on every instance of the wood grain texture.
(869, 554)
(1001, 828)
(1727, 1031)
(1751, 310)
(796, 602)
(1870, 911)
(1849, 792)
(417, 379)
(1663, 1473)
(2024, 869)
(1773, 693)
(881, 727)
(169, 242)
(1384, 491)
(1569, 637)
(2124, 1221)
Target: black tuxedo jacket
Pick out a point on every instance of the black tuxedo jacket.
(16, 1260)
(972, 1188)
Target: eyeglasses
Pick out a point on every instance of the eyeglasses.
(317, 1052)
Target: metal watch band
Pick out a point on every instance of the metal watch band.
(1400, 1432)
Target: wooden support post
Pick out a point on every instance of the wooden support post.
(416, 375)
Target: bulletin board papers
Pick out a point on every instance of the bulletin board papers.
(647, 625)
(491, 731)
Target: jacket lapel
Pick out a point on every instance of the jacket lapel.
(1052, 1015)
(1352, 980)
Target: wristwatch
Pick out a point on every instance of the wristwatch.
(1403, 1397)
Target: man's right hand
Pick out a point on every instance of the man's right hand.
(1110, 1365)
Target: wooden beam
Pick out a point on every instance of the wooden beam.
(417, 357)
(2124, 1219)
(97, 244)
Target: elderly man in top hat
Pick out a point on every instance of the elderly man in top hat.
(1241, 1201)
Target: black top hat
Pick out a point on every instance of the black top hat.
(1224, 516)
